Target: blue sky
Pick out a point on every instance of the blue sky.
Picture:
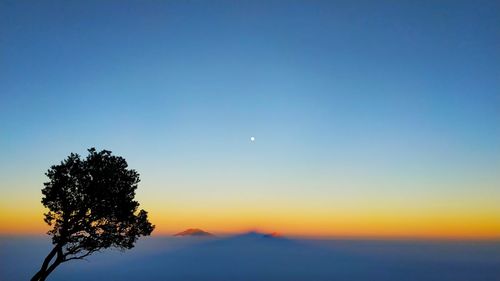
(376, 98)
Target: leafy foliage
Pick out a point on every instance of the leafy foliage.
(91, 205)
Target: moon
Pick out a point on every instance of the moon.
(252, 139)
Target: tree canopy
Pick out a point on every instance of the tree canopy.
(91, 206)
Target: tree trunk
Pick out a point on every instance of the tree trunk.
(45, 270)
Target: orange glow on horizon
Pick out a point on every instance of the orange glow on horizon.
(403, 225)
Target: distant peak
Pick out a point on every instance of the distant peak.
(272, 235)
(255, 234)
(194, 232)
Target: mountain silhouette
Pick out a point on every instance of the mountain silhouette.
(258, 235)
(273, 235)
(194, 232)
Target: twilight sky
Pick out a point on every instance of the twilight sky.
(376, 118)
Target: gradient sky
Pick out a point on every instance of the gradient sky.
(376, 118)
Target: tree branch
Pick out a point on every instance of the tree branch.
(81, 257)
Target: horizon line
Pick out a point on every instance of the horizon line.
(492, 238)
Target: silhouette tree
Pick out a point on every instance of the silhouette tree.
(91, 207)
